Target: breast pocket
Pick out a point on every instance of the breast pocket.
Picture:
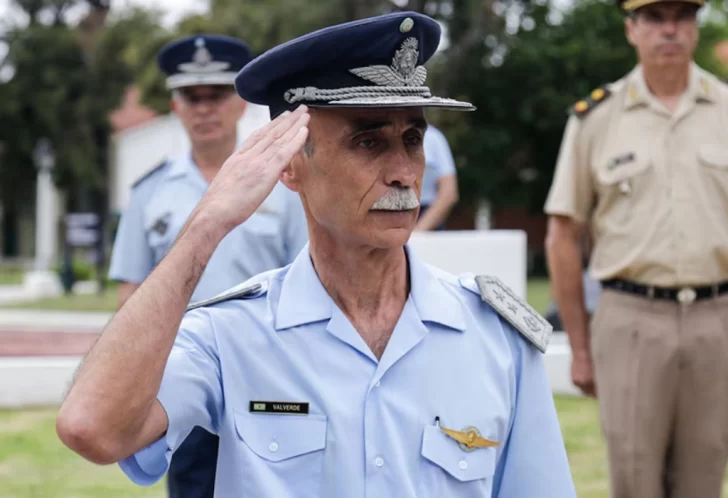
(282, 452)
(161, 232)
(448, 470)
(714, 162)
(624, 185)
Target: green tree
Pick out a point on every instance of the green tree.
(522, 63)
(523, 84)
(65, 81)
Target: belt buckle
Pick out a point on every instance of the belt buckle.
(687, 295)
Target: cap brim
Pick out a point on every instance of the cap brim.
(397, 101)
(195, 79)
(632, 5)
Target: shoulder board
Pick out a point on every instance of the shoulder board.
(587, 104)
(517, 312)
(149, 173)
(249, 292)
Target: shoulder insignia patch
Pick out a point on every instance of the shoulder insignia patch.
(249, 292)
(149, 173)
(516, 311)
(585, 105)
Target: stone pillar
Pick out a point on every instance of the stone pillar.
(43, 280)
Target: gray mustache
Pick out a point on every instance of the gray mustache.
(397, 200)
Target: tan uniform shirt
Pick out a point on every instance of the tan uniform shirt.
(653, 184)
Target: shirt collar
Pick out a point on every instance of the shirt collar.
(699, 87)
(303, 298)
(182, 165)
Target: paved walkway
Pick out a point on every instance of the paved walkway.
(48, 333)
(52, 321)
(45, 343)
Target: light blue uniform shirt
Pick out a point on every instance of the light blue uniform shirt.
(438, 163)
(159, 207)
(370, 431)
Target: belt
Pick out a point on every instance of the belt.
(685, 295)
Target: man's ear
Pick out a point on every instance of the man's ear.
(291, 174)
(242, 105)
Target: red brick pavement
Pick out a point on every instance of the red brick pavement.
(45, 343)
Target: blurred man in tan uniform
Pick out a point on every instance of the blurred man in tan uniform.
(644, 162)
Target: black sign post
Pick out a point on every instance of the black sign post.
(84, 231)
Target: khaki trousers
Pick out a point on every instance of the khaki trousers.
(662, 382)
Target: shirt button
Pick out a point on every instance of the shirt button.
(379, 461)
(463, 465)
(377, 384)
(273, 447)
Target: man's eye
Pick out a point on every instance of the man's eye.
(367, 143)
(413, 140)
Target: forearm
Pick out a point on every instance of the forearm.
(117, 384)
(564, 258)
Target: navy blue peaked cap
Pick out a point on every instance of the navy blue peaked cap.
(374, 62)
(203, 60)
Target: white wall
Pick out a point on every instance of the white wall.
(500, 253)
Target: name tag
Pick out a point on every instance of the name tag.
(279, 407)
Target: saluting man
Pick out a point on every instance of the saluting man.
(359, 370)
(200, 71)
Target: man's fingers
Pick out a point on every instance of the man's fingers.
(260, 133)
(285, 153)
(285, 147)
(274, 134)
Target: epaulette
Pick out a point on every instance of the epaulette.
(149, 173)
(585, 105)
(516, 311)
(248, 292)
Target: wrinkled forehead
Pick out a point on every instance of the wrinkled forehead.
(359, 119)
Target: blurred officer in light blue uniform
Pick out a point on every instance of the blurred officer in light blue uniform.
(359, 370)
(200, 72)
(439, 184)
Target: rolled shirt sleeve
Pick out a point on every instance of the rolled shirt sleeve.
(190, 393)
(572, 191)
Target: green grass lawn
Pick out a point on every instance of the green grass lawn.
(34, 463)
(75, 302)
(538, 293)
(10, 276)
(538, 297)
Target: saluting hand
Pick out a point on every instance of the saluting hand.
(248, 176)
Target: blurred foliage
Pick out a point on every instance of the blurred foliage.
(65, 81)
(523, 63)
(523, 84)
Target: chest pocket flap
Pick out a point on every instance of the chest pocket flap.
(618, 167)
(279, 437)
(713, 155)
(446, 453)
(158, 226)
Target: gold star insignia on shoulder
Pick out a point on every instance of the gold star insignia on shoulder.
(585, 105)
(598, 94)
(469, 438)
(581, 106)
